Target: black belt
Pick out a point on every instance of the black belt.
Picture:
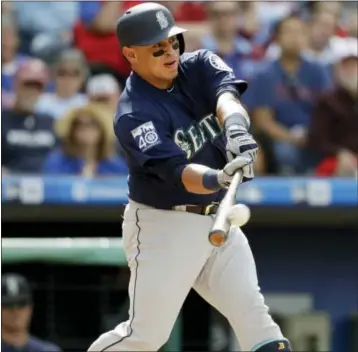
(208, 209)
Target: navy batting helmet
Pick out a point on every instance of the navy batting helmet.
(148, 24)
(15, 291)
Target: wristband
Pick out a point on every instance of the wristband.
(210, 180)
(237, 119)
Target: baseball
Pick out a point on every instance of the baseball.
(239, 215)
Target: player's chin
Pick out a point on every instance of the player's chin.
(170, 74)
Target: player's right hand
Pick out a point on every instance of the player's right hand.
(226, 175)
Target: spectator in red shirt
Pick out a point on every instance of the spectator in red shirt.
(95, 35)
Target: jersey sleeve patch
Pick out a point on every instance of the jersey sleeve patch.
(218, 63)
(146, 136)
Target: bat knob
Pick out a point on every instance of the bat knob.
(217, 238)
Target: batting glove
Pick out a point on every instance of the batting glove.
(226, 175)
(241, 143)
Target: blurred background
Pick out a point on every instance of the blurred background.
(64, 177)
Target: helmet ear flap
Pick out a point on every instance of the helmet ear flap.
(181, 43)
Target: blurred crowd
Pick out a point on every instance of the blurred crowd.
(62, 73)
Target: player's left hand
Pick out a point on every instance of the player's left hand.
(240, 143)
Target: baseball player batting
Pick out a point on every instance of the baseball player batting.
(185, 136)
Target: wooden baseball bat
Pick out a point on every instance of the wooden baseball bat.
(219, 233)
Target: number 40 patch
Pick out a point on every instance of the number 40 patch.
(146, 136)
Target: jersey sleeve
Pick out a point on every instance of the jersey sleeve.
(218, 76)
(146, 137)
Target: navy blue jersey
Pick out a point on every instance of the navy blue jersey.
(33, 345)
(26, 139)
(155, 125)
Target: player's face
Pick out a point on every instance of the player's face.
(16, 319)
(157, 63)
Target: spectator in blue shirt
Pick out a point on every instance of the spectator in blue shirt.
(242, 54)
(16, 313)
(26, 136)
(283, 95)
(87, 145)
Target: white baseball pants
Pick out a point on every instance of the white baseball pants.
(168, 253)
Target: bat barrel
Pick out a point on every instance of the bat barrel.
(219, 233)
(218, 237)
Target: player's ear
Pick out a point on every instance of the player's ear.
(130, 54)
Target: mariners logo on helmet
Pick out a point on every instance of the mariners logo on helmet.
(158, 22)
(162, 20)
(13, 286)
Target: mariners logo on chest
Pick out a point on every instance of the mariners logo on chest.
(197, 135)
